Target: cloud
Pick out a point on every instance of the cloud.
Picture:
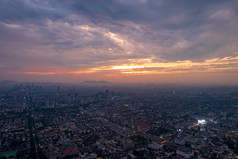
(80, 36)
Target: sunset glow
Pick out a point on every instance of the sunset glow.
(71, 44)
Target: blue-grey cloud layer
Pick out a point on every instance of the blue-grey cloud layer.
(55, 33)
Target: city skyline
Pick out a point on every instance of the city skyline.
(137, 41)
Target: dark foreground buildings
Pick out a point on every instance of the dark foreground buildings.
(62, 121)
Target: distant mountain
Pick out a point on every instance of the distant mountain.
(95, 82)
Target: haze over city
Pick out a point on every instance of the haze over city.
(119, 41)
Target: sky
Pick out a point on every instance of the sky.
(120, 41)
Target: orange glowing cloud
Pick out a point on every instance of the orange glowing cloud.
(145, 67)
(56, 72)
(39, 73)
(150, 67)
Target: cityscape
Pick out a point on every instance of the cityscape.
(103, 120)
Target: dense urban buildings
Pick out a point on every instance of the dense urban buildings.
(103, 120)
